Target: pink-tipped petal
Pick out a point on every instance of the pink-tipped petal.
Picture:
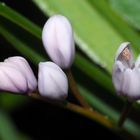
(131, 84)
(117, 75)
(137, 63)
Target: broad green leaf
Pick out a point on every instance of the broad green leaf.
(117, 23)
(93, 34)
(129, 10)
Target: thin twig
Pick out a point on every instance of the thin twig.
(78, 109)
(75, 90)
(124, 113)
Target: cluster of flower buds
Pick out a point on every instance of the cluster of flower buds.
(17, 76)
(57, 37)
(126, 74)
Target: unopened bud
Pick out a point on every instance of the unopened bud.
(57, 37)
(52, 81)
(17, 76)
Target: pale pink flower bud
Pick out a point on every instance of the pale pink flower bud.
(17, 76)
(52, 81)
(57, 37)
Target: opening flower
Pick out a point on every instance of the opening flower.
(126, 73)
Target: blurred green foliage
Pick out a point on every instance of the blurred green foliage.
(128, 10)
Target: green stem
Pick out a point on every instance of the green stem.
(75, 90)
(124, 113)
(93, 115)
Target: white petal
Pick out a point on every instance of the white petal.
(11, 79)
(57, 37)
(137, 63)
(22, 65)
(119, 51)
(117, 75)
(52, 81)
(131, 84)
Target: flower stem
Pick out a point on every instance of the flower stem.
(124, 113)
(75, 90)
(93, 115)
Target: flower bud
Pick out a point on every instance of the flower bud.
(17, 76)
(52, 81)
(57, 37)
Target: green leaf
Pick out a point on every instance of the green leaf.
(101, 106)
(129, 10)
(10, 101)
(13, 16)
(121, 27)
(20, 46)
(94, 72)
(93, 34)
(7, 129)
